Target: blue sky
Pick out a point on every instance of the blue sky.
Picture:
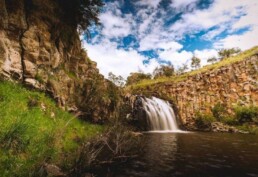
(139, 35)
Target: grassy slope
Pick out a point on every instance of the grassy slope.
(33, 131)
(182, 77)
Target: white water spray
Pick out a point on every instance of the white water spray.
(160, 115)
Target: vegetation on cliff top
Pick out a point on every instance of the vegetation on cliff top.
(181, 77)
(34, 131)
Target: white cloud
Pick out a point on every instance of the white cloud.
(115, 24)
(153, 41)
(118, 61)
(250, 18)
(247, 39)
(213, 33)
(151, 3)
(243, 41)
(220, 13)
(175, 57)
(205, 54)
(183, 5)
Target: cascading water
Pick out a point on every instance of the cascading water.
(160, 115)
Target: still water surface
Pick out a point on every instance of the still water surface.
(194, 154)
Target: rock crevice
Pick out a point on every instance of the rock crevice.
(36, 52)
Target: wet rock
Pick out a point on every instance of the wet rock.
(220, 127)
(139, 114)
(53, 170)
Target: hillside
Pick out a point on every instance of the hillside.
(34, 131)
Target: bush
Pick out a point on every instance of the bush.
(137, 77)
(203, 121)
(219, 111)
(229, 120)
(164, 71)
(246, 114)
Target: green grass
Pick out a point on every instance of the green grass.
(175, 79)
(34, 131)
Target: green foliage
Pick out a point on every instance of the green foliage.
(164, 71)
(203, 121)
(219, 111)
(118, 80)
(12, 137)
(212, 60)
(195, 62)
(246, 114)
(39, 78)
(182, 69)
(226, 53)
(114, 95)
(136, 77)
(248, 128)
(229, 120)
(80, 14)
(34, 131)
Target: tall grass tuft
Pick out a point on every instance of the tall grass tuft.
(34, 131)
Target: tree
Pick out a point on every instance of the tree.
(182, 69)
(136, 77)
(212, 60)
(80, 14)
(164, 71)
(226, 53)
(73, 16)
(118, 80)
(195, 62)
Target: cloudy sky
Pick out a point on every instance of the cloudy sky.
(142, 34)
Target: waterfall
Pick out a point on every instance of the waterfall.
(160, 114)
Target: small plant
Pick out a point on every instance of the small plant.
(39, 78)
(229, 120)
(13, 138)
(33, 102)
(203, 121)
(219, 111)
(246, 114)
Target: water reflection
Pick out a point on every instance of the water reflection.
(194, 154)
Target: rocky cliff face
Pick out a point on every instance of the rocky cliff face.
(234, 84)
(37, 50)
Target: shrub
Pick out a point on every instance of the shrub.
(203, 121)
(164, 71)
(230, 120)
(219, 111)
(246, 114)
(137, 77)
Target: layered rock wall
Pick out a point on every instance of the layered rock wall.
(231, 85)
(37, 50)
